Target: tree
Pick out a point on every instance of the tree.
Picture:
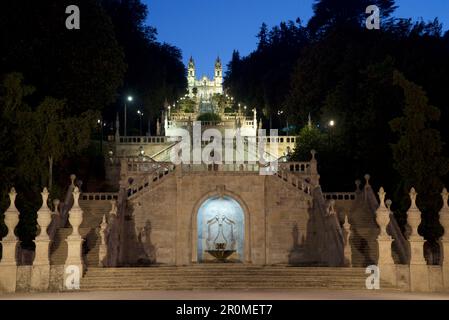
(417, 153)
(309, 138)
(263, 37)
(38, 138)
(332, 14)
(155, 70)
(84, 67)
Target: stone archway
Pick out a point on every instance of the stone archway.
(242, 226)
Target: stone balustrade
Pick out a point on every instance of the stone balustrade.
(231, 167)
(295, 181)
(345, 196)
(138, 165)
(150, 180)
(146, 139)
(99, 196)
(301, 167)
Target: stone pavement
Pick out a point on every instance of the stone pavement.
(231, 295)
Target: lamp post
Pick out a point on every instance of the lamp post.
(140, 113)
(129, 99)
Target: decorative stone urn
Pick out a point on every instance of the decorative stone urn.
(76, 214)
(382, 215)
(414, 216)
(9, 243)
(44, 216)
(11, 217)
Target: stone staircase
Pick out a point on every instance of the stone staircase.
(364, 231)
(93, 211)
(225, 276)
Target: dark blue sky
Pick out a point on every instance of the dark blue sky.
(207, 28)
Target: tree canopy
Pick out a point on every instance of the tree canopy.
(334, 68)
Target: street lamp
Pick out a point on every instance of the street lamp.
(331, 125)
(140, 113)
(129, 99)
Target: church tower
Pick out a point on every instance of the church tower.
(191, 75)
(218, 75)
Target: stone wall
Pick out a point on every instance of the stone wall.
(272, 210)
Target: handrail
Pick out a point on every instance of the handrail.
(294, 180)
(150, 180)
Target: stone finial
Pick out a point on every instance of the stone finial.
(382, 195)
(44, 216)
(12, 199)
(75, 215)
(11, 216)
(413, 195)
(113, 208)
(313, 152)
(346, 224)
(45, 195)
(382, 216)
(388, 203)
(331, 208)
(357, 185)
(56, 203)
(76, 196)
(367, 177)
(414, 216)
(103, 227)
(72, 179)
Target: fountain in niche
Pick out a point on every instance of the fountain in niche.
(218, 245)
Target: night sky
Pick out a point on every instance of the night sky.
(207, 28)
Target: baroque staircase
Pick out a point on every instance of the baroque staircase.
(225, 276)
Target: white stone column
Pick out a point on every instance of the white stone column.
(103, 250)
(8, 264)
(419, 274)
(40, 274)
(444, 221)
(347, 250)
(75, 241)
(385, 262)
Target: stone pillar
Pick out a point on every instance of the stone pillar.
(385, 262)
(113, 236)
(346, 235)
(103, 252)
(75, 241)
(419, 274)
(40, 274)
(314, 176)
(444, 243)
(8, 264)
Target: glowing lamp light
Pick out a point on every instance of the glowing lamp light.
(130, 98)
(332, 123)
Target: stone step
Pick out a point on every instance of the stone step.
(223, 277)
